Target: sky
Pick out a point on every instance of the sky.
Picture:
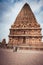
(9, 10)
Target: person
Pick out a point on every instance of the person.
(15, 49)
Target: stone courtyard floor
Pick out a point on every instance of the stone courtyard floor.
(21, 57)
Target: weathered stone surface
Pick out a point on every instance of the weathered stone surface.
(25, 30)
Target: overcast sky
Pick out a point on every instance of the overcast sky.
(9, 10)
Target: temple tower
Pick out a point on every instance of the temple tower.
(25, 30)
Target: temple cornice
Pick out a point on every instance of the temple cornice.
(25, 28)
(25, 36)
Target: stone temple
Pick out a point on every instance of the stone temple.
(25, 31)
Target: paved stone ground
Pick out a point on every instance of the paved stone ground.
(30, 57)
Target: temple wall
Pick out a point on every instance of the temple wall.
(10, 40)
(17, 41)
(33, 40)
